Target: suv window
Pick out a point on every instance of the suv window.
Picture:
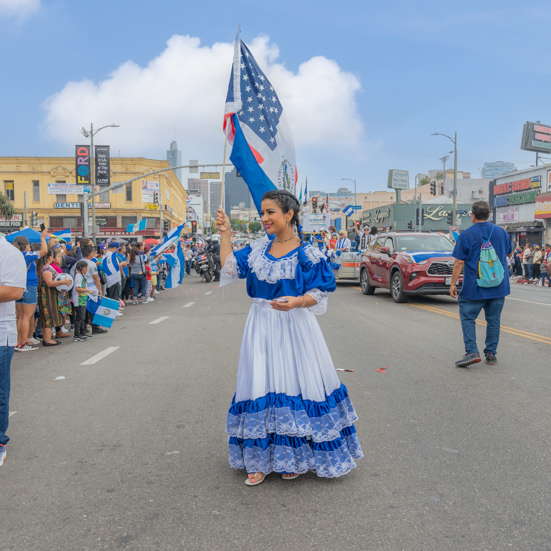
(389, 243)
(376, 244)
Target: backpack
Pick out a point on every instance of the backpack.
(490, 268)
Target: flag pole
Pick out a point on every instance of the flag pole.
(222, 202)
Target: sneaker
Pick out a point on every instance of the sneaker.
(150, 299)
(134, 302)
(77, 339)
(88, 336)
(3, 454)
(144, 301)
(32, 340)
(120, 314)
(491, 358)
(98, 330)
(25, 348)
(155, 292)
(64, 330)
(72, 328)
(468, 359)
(84, 338)
(37, 337)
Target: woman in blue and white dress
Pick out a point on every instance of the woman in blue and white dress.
(290, 413)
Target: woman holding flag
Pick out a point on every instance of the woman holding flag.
(290, 413)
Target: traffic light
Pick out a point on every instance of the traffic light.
(194, 226)
(34, 219)
(166, 225)
(433, 188)
(358, 224)
(410, 225)
(449, 218)
(314, 204)
(156, 197)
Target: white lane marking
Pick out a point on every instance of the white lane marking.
(12, 413)
(100, 356)
(209, 293)
(188, 304)
(159, 320)
(530, 301)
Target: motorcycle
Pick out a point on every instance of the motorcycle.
(205, 266)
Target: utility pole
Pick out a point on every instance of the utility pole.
(24, 208)
(444, 159)
(454, 204)
(160, 209)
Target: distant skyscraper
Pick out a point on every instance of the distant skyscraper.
(174, 158)
(497, 168)
(236, 191)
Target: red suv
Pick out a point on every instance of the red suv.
(408, 264)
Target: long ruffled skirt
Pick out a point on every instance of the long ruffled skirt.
(290, 412)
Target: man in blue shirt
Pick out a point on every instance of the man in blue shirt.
(472, 298)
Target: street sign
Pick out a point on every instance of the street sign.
(209, 175)
(458, 221)
(454, 229)
(398, 179)
(356, 207)
(462, 212)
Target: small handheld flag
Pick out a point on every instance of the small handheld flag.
(348, 211)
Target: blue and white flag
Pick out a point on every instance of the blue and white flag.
(111, 268)
(140, 226)
(263, 151)
(348, 211)
(170, 238)
(63, 234)
(176, 262)
(106, 312)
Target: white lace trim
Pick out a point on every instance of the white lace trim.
(272, 271)
(321, 298)
(229, 271)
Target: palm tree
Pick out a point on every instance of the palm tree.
(424, 181)
(6, 208)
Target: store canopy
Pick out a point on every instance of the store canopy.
(32, 235)
(532, 226)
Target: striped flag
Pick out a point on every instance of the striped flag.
(176, 262)
(111, 269)
(140, 226)
(63, 234)
(170, 238)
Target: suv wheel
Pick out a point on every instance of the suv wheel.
(367, 289)
(397, 287)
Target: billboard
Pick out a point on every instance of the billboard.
(149, 187)
(536, 137)
(57, 188)
(543, 206)
(194, 207)
(103, 169)
(398, 179)
(82, 165)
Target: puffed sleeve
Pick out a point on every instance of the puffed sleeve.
(318, 278)
(236, 266)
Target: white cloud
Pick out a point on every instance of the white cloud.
(183, 91)
(20, 8)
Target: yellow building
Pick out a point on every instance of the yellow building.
(115, 209)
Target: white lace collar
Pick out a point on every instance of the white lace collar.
(270, 269)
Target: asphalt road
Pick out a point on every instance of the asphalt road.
(129, 452)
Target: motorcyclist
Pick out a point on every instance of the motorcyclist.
(213, 247)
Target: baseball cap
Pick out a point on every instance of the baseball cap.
(114, 244)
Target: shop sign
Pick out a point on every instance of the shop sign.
(518, 185)
(149, 187)
(77, 205)
(536, 137)
(543, 206)
(398, 179)
(103, 168)
(516, 199)
(82, 164)
(508, 215)
(549, 180)
(57, 188)
(8, 224)
(152, 206)
(438, 213)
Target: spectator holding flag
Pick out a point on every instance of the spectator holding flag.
(136, 263)
(112, 271)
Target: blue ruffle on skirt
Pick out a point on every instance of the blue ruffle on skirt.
(287, 434)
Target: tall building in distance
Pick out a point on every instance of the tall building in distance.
(174, 158)
(236, 191)
(497, 168)
(202, 186)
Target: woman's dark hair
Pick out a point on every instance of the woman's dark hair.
(135, 251)
(80, 265)
(373, 230)
(41, 262)
(86, 250)
(21, 243)
(286, 201)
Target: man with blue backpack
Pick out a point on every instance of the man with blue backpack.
(481, 254)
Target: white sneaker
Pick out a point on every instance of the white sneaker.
(32, 340)
(3, 454)
(155, 292)
(150, 299)
(120, 314)
(63, 330)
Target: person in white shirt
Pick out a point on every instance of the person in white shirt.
(343, 243)
(13, 281)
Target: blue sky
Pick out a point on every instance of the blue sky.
(366, 82)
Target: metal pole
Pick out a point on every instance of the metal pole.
(420, 215)
(222, 202)
(415, 192)
(454, 208)
(160, 209)
(85, 220)
(24, 208)
(93, 182)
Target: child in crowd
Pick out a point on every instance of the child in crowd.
(149, 285)
(80, 296)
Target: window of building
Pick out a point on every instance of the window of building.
(104, 197)
(127, 220)
(61, 198)
(152, 223)
(9, 188)
(111, 221)
(129, 193)
(56, 222)
(36, 190)
(71, 221)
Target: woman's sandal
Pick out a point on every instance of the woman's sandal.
(46, 343)
(249, 481)
(289, 476)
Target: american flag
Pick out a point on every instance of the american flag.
(261, 109)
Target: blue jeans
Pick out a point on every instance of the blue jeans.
(545, 275)
(140, 284)
(6, 354)
(468, 312)
(528, 270)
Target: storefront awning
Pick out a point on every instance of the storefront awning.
(529, 226)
